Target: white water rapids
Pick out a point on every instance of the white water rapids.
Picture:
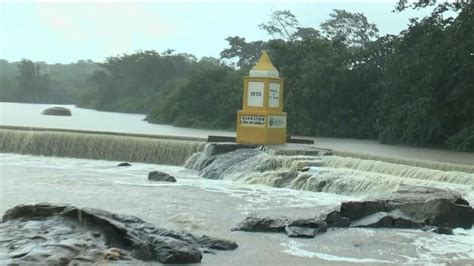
(213, 207)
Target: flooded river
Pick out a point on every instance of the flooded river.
(204, 206)
(213, 207)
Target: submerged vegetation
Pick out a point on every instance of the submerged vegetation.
(342, 79)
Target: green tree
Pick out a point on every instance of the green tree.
(353, 29)
(282, 24)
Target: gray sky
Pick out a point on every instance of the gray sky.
(67, 32)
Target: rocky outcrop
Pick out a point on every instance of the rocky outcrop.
(253, 223)
(160, 176)
(305, 228)
(422, 205)
(425, 208)
(62, 235)
(59, 111)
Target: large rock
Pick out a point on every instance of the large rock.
(59, 111)
(62, 235)
(160, 176)
(423, 205)
(428, 209)
(262, 224)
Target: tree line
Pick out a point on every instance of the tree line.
(342, 79)
(39, 82)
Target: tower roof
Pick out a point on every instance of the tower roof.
(264, 67)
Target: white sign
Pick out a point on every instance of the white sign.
(277, 121)
(274, 95)
(250, 120)
(255, 94)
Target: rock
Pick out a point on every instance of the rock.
(83, 235)
(60, 111)
(431, 206)
(124, 164)
(307, 228)
(334, 219)
(394, 219)
(266, 224)
(160, 176)
(425, 208)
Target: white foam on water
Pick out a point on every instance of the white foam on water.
(430, 247)
(253, 197)
(437, 249)
(257, 197)
(403, 246)
(295, 248)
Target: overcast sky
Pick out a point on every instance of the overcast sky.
(67, 32)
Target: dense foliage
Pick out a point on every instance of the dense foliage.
(31, 82)
(208, 97)
(126, 82)
(428, 84)
(341, 79)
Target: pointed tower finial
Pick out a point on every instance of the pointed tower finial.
(264, 67)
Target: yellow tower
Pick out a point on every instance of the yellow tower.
(262, 120)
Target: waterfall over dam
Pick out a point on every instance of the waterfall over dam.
(444, 166)
(335, 174)
(251, 165)
(98, 146)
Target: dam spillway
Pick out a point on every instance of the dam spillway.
(275, 166)
(319, 173)
(219, 186)
(95, 145)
